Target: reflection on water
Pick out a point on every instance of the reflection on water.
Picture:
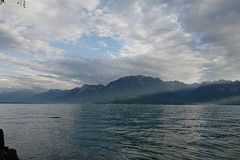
(64, 131)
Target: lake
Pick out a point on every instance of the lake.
(98, 132)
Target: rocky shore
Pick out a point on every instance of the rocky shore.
(5, 152)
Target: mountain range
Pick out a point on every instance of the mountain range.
(136, 89)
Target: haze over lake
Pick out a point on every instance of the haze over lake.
(75, 131)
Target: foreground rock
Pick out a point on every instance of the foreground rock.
(5, 152)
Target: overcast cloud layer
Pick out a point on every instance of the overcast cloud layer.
(65, 44)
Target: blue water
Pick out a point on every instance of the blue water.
(97, 132)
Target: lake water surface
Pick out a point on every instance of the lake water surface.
(97, 132)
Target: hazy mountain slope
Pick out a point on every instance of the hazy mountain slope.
(85, 94)
(16, 96)
(131, 86)
(46, 97)
(215, 91)
(124, 87)
(220, 92)
(137, 89)
(156, 98)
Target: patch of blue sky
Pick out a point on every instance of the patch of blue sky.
(176, 18)
(198, 41)
(16, 54)
(7, 70)
(202, 47)
(30, 26)
(8, 73)
(13, 71)
(91, 46)
(2, 21)
(12, 53)
(197, 37)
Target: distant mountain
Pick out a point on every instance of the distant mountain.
(156, 98)
(218, 92)
(137, 89)
(16, 96)
(143, 84)
(85, 94)
(125, 87)
(132, 86)
(45, 97)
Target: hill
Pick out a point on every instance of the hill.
(137, 89)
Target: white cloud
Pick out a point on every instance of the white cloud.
(156, 38)
(103, 44)
(218, 22)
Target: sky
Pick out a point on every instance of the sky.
(61, 44)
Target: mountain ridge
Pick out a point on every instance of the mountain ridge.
(141, 89)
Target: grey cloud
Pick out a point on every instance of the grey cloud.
(217, 21)
(94, 71)
(10, 39)
(156, 39)
(146, 31)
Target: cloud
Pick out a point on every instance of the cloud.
(10, 39)
(218, 22)
(190, 41)
(103, 44)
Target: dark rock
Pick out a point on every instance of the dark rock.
(3, 155)
(5, 152)
(1, 139)
(12, 154)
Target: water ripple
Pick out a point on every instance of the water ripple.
(92, 132)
